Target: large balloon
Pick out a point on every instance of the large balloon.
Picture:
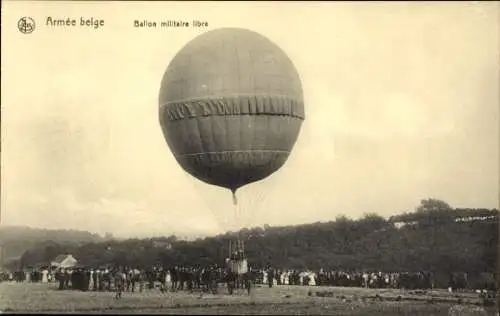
(231, 107)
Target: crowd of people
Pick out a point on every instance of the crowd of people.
(34, 275)
(235, 273)
(135, 279)
(178, 278)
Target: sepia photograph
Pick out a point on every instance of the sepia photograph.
(250, 158)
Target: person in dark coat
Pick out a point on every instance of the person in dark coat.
(174, 276)
(120, 280)
(86, 280)
(95, 279)
(60, 276)
(270, 277)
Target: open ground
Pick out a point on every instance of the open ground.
(291, 300)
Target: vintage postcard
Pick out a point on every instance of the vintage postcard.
(336, 158)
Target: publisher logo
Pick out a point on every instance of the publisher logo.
(26, 25)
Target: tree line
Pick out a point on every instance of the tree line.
(428, 239)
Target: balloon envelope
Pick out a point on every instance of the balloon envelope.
(231, 107)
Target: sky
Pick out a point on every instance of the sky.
(401, 103)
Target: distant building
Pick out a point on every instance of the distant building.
(402, 224)
(475, 218)
(64, 261)
(40, 266)
(162, 244)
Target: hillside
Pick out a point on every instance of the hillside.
(16, 240)
(434, 240)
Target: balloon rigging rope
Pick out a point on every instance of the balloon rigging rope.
(249, 206)
(255, 204)
(220, 217)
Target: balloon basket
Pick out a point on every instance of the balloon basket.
(237, 260)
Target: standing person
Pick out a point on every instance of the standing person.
(197, 277)
(270, 277)
(129, 273)
(189, 279)
(141, 278)
(119, 283)
(88, 279)
(94, 279)
(67, 276)
(101, 280)
(91, 279)
(182, 277)
(451, 283)
(108, 277)
(365, 279)
(174, 277)
(162, 277)
(168, 280)
(151, 276)
(133, 278)
(45, 276)
(60, 275)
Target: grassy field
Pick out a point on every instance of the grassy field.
(290, 300)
